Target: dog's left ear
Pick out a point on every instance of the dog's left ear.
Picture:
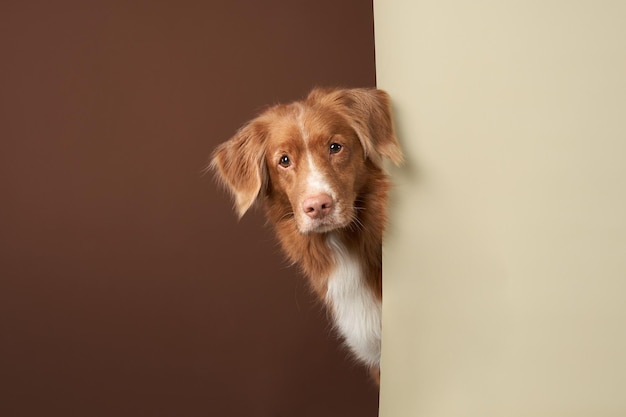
(368, 110)
(239, 164)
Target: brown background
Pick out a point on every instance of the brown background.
(127, 286)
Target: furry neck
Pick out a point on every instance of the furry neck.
(362, 238)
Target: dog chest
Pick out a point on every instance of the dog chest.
(355, 309)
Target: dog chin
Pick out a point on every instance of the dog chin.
(320, 227)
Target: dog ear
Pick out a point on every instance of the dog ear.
(239, 164)
(368, 111)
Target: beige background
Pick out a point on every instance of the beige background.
(505, 261)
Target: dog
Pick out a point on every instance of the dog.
(315, 165)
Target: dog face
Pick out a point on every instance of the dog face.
(310, 156)
(315, 162)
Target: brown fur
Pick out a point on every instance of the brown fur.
(249, 166)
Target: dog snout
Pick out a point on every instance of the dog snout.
(318, 206)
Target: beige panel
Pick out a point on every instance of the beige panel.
(505, 261)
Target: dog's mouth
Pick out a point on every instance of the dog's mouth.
(337, 220)
(322, 228)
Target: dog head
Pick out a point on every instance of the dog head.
(311, 156)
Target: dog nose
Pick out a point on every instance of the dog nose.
(318, 206)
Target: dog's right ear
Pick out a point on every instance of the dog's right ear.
(239, 164)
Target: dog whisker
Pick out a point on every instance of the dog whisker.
(288, 215)
(356, 224)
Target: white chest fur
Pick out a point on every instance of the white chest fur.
(356, 311)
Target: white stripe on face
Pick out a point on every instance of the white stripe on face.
(316, 183)
(300, 119)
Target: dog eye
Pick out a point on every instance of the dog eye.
(335, 147)
(284, 161)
